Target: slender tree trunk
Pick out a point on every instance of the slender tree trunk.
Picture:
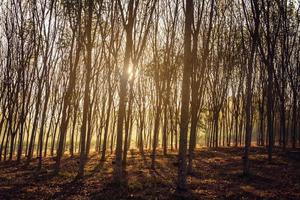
(41, 135)
(185, 97)
(106, 127)
(86, 103)
(123, 90)
(156, 133)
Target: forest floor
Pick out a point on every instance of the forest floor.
(217, 175)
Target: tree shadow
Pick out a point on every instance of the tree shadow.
(186, 195)
(112, 190)
(69, 189)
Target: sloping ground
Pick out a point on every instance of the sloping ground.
(217, 176)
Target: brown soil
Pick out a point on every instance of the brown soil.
(217, 175)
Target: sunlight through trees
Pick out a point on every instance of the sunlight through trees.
(160, 77)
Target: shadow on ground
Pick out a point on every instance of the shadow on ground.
(216, 175)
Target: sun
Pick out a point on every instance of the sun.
(132, 72)
(130, 69)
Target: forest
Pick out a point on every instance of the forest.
(149, 99)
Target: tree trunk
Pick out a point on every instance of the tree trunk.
(185, 97)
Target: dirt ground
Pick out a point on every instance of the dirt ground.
(217, 175)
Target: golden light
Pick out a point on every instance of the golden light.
(132, 72)
(130, 69)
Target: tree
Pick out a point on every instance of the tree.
(185, 96)
(253, 29)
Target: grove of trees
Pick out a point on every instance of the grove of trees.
(78, 76)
